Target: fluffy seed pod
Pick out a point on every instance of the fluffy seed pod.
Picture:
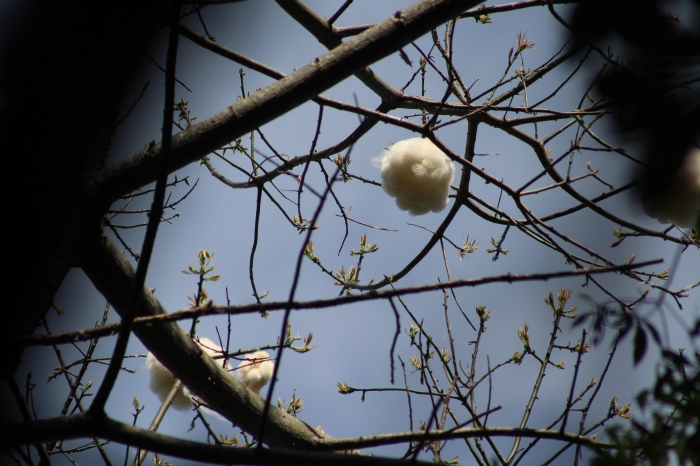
(255, 370)
(417, 174)
(162, 380)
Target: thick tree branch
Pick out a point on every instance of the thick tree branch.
(84, 425)
(327, 35)
(112, 274)
(264, 106)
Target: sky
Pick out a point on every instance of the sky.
(353, 342)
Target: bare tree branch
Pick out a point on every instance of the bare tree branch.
(84, 425)
(154, 316)
(278, 98)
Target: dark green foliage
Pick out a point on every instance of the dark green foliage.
(670, 432)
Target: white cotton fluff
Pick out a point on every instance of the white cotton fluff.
(255, 370)
(417, 174)
(162, 380)
(681, 203)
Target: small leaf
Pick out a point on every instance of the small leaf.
(404, 57)
(640, 345)
(626, 327)
(654, 334)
